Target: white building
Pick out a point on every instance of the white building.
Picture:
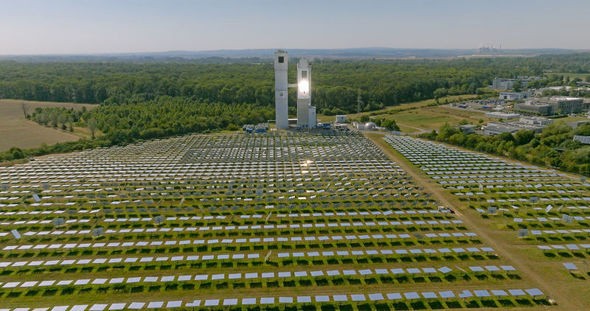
(514, 95)
(367, 126)
(281, 62)
(503, 84)
(502, 115)
(585, 140)
(341, 118)
(508, 84)
(306, 113)
(312, 117)
(540, 121)
(499, 128)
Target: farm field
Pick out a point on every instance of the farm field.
(278, 221)
(17, 131)
(540, 216)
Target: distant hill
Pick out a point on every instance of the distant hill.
(249, 54)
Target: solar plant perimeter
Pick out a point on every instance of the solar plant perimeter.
(541, 217)
(279, 221)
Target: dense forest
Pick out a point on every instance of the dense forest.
(338, 85)
(126, 123)
(143, 100)
(165, 116)
(553, 147)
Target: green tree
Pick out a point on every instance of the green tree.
(389, 124)
(440, 92)
(16, 153)
(92, 125)
(583, 130)
(523, 137)
(517, 86)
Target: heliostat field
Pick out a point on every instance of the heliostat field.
(279, 221)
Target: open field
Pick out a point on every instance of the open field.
(432, 118)
(278, 221)
(570, 119)
(411, 106)
(17, 131)
(536, 217)
(426, 115)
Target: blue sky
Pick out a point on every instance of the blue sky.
(113, 26)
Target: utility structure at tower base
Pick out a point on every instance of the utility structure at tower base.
(306, 113)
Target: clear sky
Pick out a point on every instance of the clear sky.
(114, 26)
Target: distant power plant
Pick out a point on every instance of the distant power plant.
(306, 113)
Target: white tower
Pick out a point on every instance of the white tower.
(304, 93)
(281, 91)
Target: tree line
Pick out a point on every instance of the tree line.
(127, 123)
(339, 86)
(168, 116)
(57, 117)
(148, 100)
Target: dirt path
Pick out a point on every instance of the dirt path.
(506, 249)
(419, 130)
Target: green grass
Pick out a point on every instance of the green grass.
(412, 106)
(426, 115)
(432, 118)
(16, 131)
(198, 197)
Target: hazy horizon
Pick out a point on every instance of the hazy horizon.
(74, 27)
(270, 48)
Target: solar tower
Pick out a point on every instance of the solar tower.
(281, 89)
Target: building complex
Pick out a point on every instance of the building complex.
(306, 113)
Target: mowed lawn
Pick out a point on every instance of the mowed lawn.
(17, 131)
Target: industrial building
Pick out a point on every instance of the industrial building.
(568, 105)
(535, 121)
(499, 128)
(503, 84)
(536, 108)
(508, 84)
(467, 128)
(585, 140)
(514, 95)
(524, 123)
(365, 126)
(502, 115)
(557, 105)
(306, 113)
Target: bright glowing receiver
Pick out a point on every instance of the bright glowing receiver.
(304, 86)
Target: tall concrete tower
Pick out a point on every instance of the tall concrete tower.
(281, 89)
(304, 94)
